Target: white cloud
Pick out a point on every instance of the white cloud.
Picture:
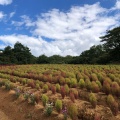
(16, 23)
(1, 15)
(27, 21)
(12, 14)
(5, 2)
(69, 33)
(117, 6)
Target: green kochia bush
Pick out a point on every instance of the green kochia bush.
(110, 100)
(99, 84)
(44, 99)
(88, 84)
(112, 104)
(73, 82)
(94, 77)
(93, 99)
(45, 88)
(9, 85)
(62, 80)
(57, 87)
(66, 89)
(81, 83)
(72, 111)
(58, 105)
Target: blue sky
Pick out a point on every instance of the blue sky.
(63, 27)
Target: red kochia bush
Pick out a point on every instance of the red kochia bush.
(53, 89)
(31, 84)
(106, 87)
(62, 92)
(72, 97)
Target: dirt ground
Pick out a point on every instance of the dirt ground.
(8, 109)
(12, 109)
(19, 109)
(3, 116)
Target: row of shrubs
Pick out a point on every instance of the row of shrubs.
(107, 85)
(64, 91)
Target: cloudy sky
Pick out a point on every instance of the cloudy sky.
(62, 27)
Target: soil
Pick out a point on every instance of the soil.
(19, 109)
(3, 116)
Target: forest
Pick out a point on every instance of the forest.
(106, 53)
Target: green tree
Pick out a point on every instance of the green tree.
(56, 59)
(42, 59)
(112, 43)
(22, 54)
(92, 56)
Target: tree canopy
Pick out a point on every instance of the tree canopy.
(112, 43)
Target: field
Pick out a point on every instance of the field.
(60, 92)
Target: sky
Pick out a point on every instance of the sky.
(57, 27)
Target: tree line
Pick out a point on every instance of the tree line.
(107, 53)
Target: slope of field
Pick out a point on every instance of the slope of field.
(92, 91)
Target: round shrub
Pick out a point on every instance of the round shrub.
(81, 83)
(88, 84)
(53, 89)
(112, 104)
(115, 88)
(44, 99)
(31, 84)
(58, 105)
(106, 87)
(115, 108)
(110, 100)
(73, 82)
(75, 92)
(24, 81)
(41, 84)
(62, 80)
(95, 87)
(37, 86)
(57, 87)
(66, 89)
(99, 84)
(45, 88)
(94, 77)
(72, 97)
(67, 81)
(79, 76)
(93, 99)
(62, 92)
(72, 111)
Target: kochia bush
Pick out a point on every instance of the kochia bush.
(81, 83)
(62, 92)
(72, 111)
(66, 89)
(44, 99)
(58, 105)
(73, 82)
(93, 99)
(57, 87)
(45, 88)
